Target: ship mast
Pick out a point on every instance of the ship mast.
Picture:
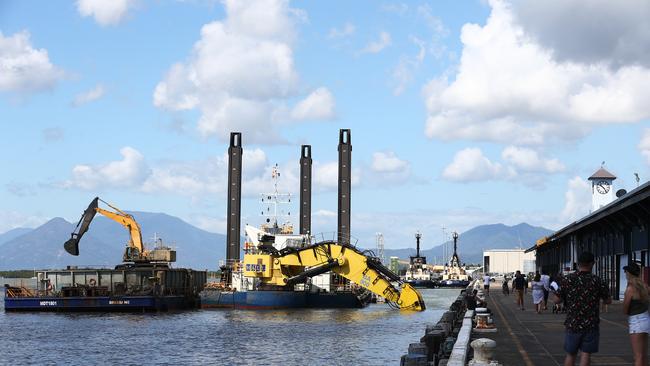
(455, 261)
(272, 203)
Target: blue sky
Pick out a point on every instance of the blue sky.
(462, 113)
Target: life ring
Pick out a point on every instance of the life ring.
(92, 282)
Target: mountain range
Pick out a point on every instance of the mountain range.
(103, 244)
(473, 242)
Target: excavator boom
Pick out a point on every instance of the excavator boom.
(72, 245)
(135, 251)
(279, 269)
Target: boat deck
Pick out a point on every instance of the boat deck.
(525, 338)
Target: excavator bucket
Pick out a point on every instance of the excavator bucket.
(72, 245)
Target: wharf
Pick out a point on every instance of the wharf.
(525, 338)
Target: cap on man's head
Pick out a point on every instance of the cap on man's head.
(586, 258)
(633, 269)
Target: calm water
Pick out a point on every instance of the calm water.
(376, 335)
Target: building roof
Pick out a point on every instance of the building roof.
(632, 198)
(602, 174)
(514, 250)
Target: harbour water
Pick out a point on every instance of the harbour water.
(375, 335)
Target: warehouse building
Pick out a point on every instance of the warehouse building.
(616, 231)
(508, 261)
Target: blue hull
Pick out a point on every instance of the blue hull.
(279, 300)
(121, 303)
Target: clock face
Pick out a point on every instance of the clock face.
(602, 187)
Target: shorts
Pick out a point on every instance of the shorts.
(486, 287)
(520, 294)
(585, 341)
(639, 323)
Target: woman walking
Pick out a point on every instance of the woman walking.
(635, 305)
(538, 293)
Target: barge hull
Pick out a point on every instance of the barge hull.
(260, 300)
(101, 304)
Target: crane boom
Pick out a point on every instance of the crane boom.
(135, 250)
(126, 220)
(286, 267)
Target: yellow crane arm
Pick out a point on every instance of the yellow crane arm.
(126, 220)
(281, 269)
(135, 249)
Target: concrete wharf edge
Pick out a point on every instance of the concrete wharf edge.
(461, 347)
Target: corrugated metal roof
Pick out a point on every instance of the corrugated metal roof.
(632, 197)
(629, 199)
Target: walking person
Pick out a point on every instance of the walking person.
(538, 293)
(553, 288)
(581, 293)
(519, 284)
(486, 283)
(546, 281)
(635, 305)
(504, 287)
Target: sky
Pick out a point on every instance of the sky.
(462, 113)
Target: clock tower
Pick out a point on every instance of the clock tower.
(602, 192)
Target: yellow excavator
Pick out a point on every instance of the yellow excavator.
(282, 269)
(135, 251)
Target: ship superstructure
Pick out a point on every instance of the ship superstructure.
(418, 273)
(454, 274)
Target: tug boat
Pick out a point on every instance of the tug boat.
(454, 274)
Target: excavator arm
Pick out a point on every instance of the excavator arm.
(126, 220)
(135, 247)
(286, 269)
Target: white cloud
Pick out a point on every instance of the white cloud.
(378, 45)
(519, 165)
(89, 96)
(23, 68)
(194, 179)
(208, 223)
(644, 145)
(577, 200)
(528, 160)
(326, 175)
(105, 12)
(319, 105)
(129, 172)
(509, 89)
(388, 162)
(347, 30)
(241, 73)
(407, 66)
(13, 219)
(471, 165)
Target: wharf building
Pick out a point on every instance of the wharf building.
(508, 261)
(617, 232)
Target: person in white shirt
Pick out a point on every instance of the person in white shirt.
(546, 282)
(486, 283)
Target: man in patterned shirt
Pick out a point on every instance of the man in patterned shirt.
(581, 293)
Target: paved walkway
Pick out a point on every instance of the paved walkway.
(525, 338)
